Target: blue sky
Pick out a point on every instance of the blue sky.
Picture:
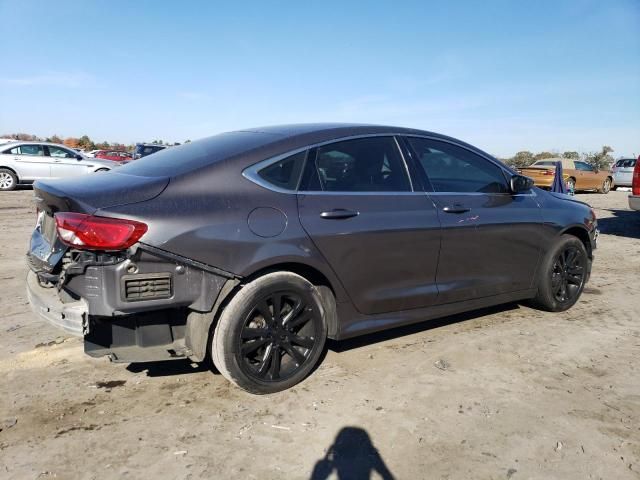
(503, 75)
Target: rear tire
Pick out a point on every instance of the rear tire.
(606, 186)
(8, 180)
(271, 333)
(562, 275)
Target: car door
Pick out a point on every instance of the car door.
(490, 237)
(379, 236)
(30, 161)
(65, 162)
(587, 178)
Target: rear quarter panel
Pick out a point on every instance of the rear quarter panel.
(205, 217)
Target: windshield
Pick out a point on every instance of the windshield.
(192, 156)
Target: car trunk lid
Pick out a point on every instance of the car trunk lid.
(92, 192)
(537, 172)
(81, 195)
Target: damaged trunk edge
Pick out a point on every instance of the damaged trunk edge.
(143, 304)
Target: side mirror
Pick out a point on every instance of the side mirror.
(520, 184)
(79, 157)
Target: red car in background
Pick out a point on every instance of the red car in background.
(114, 155)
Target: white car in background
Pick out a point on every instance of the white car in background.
(91, 153)
(25, 162)
(623, 172)
(6, 140)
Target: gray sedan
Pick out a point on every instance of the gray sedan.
(25, 162)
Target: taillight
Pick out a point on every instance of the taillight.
(549, 172)
(635, 184)
(87, 232)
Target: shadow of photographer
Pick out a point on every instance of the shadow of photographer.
(351, 457)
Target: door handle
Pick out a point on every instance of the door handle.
(456, 209)
(339, 213)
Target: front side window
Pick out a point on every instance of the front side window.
(451, 168)
(285, 173)
(58, 152)
(36, 150)
(361, 165)
(585, 167)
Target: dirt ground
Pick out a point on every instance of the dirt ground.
(504, 393)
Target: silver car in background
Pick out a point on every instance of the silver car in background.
(623, 172)
(25, 162)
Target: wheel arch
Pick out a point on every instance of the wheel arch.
(13, 170)
(582, 234)
(200, 325)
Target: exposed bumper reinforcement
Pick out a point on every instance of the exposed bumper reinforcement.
(71, 317)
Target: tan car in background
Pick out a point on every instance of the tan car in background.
(580, 175)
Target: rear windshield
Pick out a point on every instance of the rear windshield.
(147, 149)
(626, 163)
(192, 156)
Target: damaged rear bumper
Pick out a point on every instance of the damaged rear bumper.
(72, 317)
(131, 306)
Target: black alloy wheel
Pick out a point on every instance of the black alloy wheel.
(568, 274)
(563, 274)
(278, 336)
(271, 333)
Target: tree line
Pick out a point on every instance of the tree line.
(599, 160)
(83, 142)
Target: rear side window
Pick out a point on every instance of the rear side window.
(36, 150)
(455, 169)
(286, 172)
(361, 165)
(626, 163)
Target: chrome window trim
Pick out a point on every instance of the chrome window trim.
(475, 194)
(251, 173)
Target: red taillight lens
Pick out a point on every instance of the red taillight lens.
(549, 172)
(635, 185)
(87, 232)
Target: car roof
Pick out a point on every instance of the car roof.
(35, 142)
(566, 162)
(336, 129)
(242, 148)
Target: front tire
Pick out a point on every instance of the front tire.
(562, 276)
(271, 334)
(8, 180)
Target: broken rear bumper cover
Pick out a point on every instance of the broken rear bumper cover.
(133, 307)
(72, 317)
